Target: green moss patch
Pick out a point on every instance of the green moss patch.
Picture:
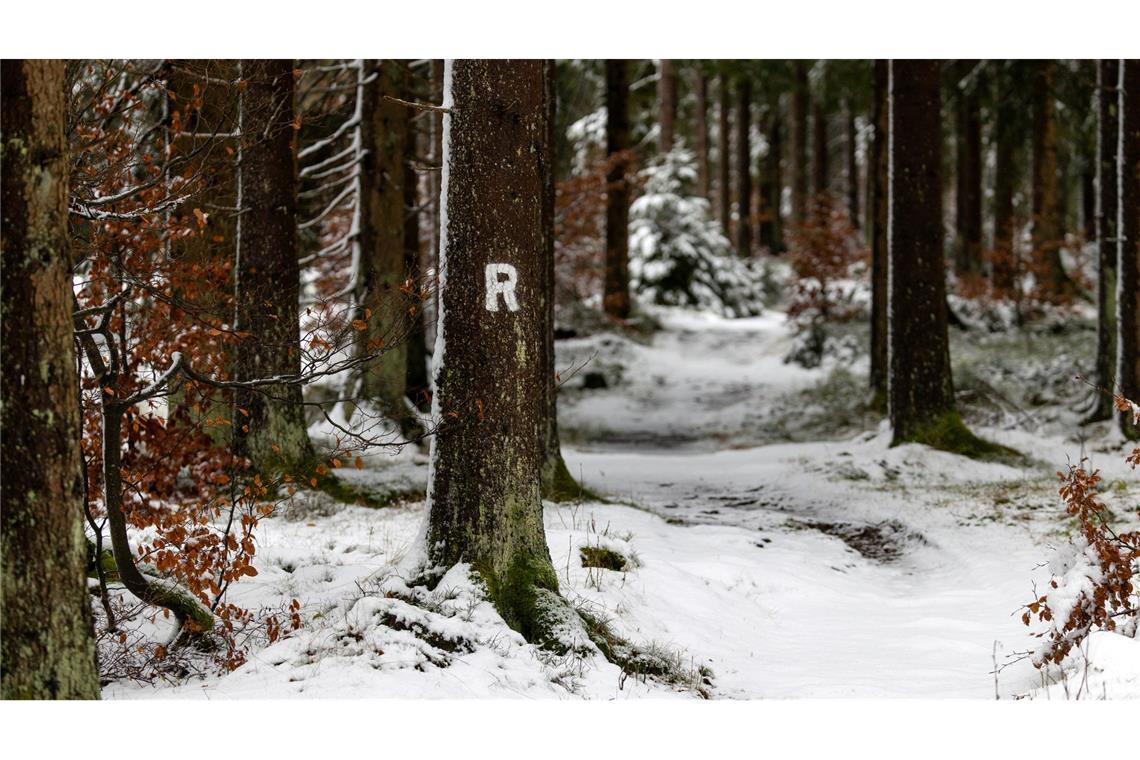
(600, 556)
(949, 433)
(558, 485)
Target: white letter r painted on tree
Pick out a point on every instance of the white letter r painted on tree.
(506, 287)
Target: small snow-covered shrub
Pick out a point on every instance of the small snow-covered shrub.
(1094, 583)
(678, 255)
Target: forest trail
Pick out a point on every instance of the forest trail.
(876, 571)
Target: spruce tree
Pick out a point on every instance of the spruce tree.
(484, 499)
(269, 422)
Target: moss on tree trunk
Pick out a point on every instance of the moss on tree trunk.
(484, 494)
(47, 647)
(381, 302)
(269, 423)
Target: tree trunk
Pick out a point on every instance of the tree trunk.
(436, 175)
(1004, 274)
(819, 165)
(1128, 245)
(556, 481)
(878, 201)
(743, 168)
(1108, 132)
(667, 101)
(771, 229)
(799, 118)
(616, 299)
(724, 193)
(1047, 233)
(921, 389)
(702, 135)
(852, 168)
(269, 424)
(484, 503)
(416, 386)
(380, 302)
(1088, 199)
(201, 101)
(968, 214)
(48, 645)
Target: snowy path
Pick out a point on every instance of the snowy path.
(940, 552)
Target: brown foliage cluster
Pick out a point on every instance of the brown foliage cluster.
(823, 250)
(580, 228)
(1108, 601)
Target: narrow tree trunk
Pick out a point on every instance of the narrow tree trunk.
(724, 192)
(1004, 274)
(667, 101)
(968, 214)
(921, 389)
(556, 481)
(269, 424)
(743, 168)
(616, 299)
(1128, 246)
(1108, 133)
(799, 112)
(483, 501)
(415, 379)
(436, 175)
(380, 302)
(819, 164)
(1088, 199)
(852, 167)
(771, 229)
(878, 201)
(48, 645)
(1047, 232)
(702, 134)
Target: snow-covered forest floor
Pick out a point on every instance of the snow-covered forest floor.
(773, 544)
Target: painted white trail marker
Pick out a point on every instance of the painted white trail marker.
(496, 286)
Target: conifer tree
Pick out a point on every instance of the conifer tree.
(269, 423)
(616, 298)
(484, 498)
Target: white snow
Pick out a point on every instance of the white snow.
(764, 558)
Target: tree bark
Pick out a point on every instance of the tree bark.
(556, 482)
(724, 192)
(1128, 245)
(436, 175)
(269, 424)
(852, 168)
(616, 301)
(799, 113)
(743, 168)
(48, 646)
(921, 388)
(771, 228)
(968, 214)
(483, 499)
(702, 135)
(878, 201)
(819, 163)
(1047, 233)
(667, 101)
(1004, 274)
(1108, 131)
(416, 386)
(380, 301)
